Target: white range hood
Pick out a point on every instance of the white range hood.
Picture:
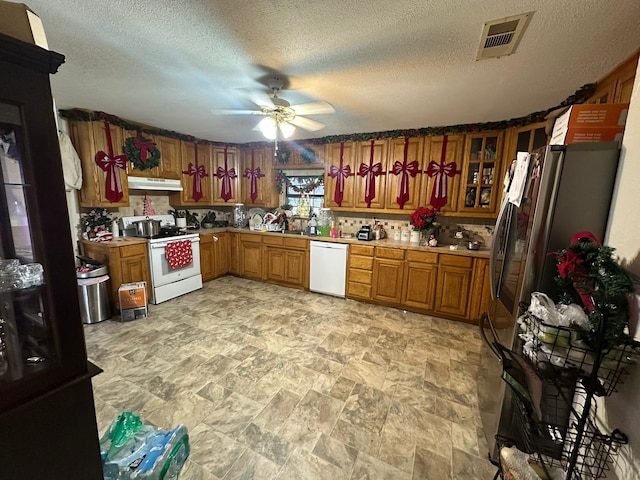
(142, 183)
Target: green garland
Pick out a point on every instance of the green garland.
(133, 154)
(580, 96)
(283, 155)
(308, 155)
(282, 182)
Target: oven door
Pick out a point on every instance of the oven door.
(161, 274)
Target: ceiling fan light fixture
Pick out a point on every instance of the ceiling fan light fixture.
(268, 127)
(287, 129)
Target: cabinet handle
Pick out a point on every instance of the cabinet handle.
(215, 239)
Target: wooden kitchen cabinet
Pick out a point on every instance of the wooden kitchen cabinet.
(287, 261)
(214, 255)
(617, 85)
(480, 297)
(251, 256)
(399, 168)
(170, 161)
(225, 176)
(481, 182)
(303, 156)
(360, 272)
(454, 155)
(256, 167)
(340, 170)
(128, 262)
(388, 268)
(89, 138)
(233, 240)
(188, 162)
(419, 285)
(452, 287)
(370, 174)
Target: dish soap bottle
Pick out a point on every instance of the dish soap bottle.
(332, 232)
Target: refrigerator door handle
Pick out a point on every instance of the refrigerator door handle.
(495, 246)
(485, 318)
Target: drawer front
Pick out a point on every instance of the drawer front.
(360, 276)
(206, 238)
(274, 240)
(248, 238)
(393, 253)
(296, 242)
(456, 261)
(360, 250)
(133, 250)
(364, 263)
(423, 257)
(358, 290)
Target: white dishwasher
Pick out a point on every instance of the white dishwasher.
(328, 272)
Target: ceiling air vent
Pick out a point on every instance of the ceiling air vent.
(501, 37)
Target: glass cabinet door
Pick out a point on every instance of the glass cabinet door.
(27, 342)
(482, 167)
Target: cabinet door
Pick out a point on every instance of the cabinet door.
(198, 175)
(296, 267)
(480, 298)
(222, 254)
(481, 184)
(387, 280)
(339, 176)
(135, 269)
(452, 291)
(404, 173)
(450, 171)
(170, 160)
(207, 257)
(89, 138)
(370, 170)
(305, 156)
(251, 260)
(225, 176)
(257, 184)
(234, 253)
(135, 172)
(419, 285)
(276, 266)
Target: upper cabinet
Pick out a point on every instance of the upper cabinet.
(225, 176)
(301, 156)
(196, 172)
(257, 185)
(441, 172)
(339, 176)
(370, 174)
(617, 86)
(404, 169)
(481, 185)
(168, 149)
(104, 165)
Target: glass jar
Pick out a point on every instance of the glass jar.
(239, 216)
(325, 221)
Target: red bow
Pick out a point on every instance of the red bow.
(403, 170)
(340, 174)
(441, 171)
(198, 173)
(110, 164)
(253, 174)
(226, 174)
(370, 172)
(144, 147)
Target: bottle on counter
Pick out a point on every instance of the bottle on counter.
(325, 221)
(332, 232)
(312, 227)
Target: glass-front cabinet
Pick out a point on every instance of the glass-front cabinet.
(480, 178)
(46, 399)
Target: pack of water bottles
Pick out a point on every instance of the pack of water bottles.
(131, 450)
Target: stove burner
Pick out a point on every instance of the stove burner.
(166, 232)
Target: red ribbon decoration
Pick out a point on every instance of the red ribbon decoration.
(110, 164)
(370, 171)
(144, 147)
(403, 170)
(226, 174)
(253, 174)
(441, 171)
(340, 174)
(198, 173)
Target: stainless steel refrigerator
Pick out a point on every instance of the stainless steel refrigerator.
(567, 189)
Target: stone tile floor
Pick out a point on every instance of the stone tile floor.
(275, 383)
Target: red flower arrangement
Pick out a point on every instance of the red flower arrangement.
(423, 218)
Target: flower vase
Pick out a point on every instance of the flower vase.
(424, 237)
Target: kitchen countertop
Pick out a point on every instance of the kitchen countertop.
(119, 242)
(387, 242)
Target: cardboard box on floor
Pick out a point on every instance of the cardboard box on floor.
(590, 123)
(133, 301)
(18, 21)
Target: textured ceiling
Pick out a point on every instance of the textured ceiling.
(382, 64)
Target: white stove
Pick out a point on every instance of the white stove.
(167, 282)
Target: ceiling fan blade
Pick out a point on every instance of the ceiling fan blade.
(261, 99)
(237, 112)
(306, 123)
(313, 108)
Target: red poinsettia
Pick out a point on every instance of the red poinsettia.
(423, 218)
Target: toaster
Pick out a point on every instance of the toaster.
(365, 233)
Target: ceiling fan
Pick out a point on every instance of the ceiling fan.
(280, 115)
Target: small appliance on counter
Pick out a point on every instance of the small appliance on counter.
(365, 233)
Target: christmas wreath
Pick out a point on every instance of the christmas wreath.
(283, 155)
(589, 275)
(308, 155)
(283, 182)
(142, 152)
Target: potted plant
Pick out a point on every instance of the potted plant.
(424, 222)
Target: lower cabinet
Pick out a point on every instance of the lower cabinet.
(214, 255)
(287, 261)
(480, 289)
(360, 272)
(388, 267)
(250, 257)
(452, 289)
(420, 274)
